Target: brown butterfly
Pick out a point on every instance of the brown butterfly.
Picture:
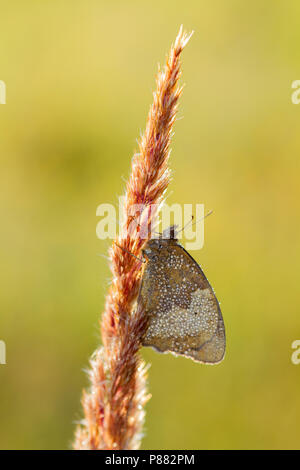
(184, 315)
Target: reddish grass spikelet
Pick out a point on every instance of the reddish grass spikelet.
(114, 405)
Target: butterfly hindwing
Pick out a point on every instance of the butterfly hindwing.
(183, 313)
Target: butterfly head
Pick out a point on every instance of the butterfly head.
(166, 238)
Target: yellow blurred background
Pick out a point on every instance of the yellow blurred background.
(79, 77)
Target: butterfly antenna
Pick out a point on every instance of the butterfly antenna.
(196, 221)
(136, 257)
(202, 218)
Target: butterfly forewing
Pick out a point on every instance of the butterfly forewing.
(183, 313)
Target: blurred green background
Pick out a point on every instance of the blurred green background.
(79, 77)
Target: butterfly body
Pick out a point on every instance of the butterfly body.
(184, 315)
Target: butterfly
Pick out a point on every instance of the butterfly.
(184, 316)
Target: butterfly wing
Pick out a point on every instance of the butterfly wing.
(183, 312)
(213, 350)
